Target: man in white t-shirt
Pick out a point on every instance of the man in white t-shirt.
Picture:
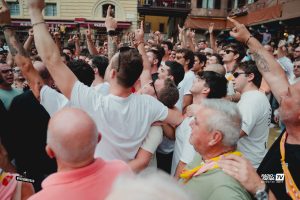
(123, 118)
(255, 110)
(207, 84)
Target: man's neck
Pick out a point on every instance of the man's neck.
(120, 91)
(293, 134)
(154, 69)
(166, 57)
(5, 87)
(98, 80)
(197, 99)
(249, 87)
(64, 167)
(229, 66)
(216, 152)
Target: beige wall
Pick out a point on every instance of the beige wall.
(126, 10)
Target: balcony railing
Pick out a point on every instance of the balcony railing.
(165, 4)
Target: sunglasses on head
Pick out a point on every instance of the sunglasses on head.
(236, 74)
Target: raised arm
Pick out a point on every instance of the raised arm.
(267, 65)
(29, 40)
(139, 39)
(18, 52)
(89, 41)
(111, 25)
(56, 36)
(48, 51)
(212, 39)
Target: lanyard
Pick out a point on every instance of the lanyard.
(291, 187)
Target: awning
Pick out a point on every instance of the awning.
(72, 24)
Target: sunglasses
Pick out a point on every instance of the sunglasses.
(297, 66)
(6, 71)
(121, 51)
(228, 51)
(236, 74)
(153, 85)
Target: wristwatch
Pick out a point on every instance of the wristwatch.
(263, 193)
(112, 33)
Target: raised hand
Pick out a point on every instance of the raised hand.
(30, 32)
(139, 34)
(4, 14)
(36, 5)
(110, 22)
(70, 40)
(239, 32)
(211, 28)
(88, 32)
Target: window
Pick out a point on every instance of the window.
(50, 9)
(147, 27)
(14, 8)
(217, 4)
(199, 3)
(104, 10)
(161, 27)
(212, 4)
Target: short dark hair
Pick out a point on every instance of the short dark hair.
(82, 71)
(201, 57)
(84, 52)
(170, 45)
(101, 63)
(160, 50)
(217, 83)
(188, 55)
(157, 55)
(239, 48)
(219, 58)
(130, 69)
(66, 56)
(169, 94)
(176, 70)
(250, 67)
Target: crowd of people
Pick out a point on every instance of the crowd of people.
(147, 119)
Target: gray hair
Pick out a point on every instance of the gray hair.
(159, 186)
(227, 119)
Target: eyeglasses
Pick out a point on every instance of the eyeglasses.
(122, 50)
(5, 71)
(236, 74)
(228, 51)
(297, 66)
(153, 85)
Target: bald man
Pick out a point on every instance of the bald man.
(79, 175)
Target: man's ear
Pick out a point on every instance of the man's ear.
(95, 69)
(49, 151)
(236, 56)
(217, 137)
(99, 137)
(112, 73)
(155, 61)
(187, 62)
(206, 91)
(250, 77)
